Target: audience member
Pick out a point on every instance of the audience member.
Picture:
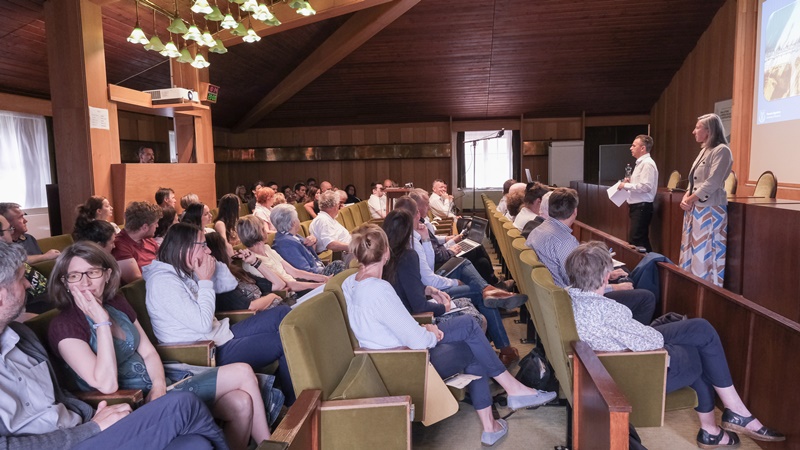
(251, 199)
(96, 208)
(146, 155)
(278, 199)
(36, 300)
(379, 321)
(102, 233)
(250, 293)
(165, 197)
(514, 204)
(189, 200)
(501, 205)
(330, 234)
(94, 313)
(696, 357)
(264, 200)
(312, 206)
(272, 185)
(54, 420)
(516, 187)
(531, 203)
(300, 193)
(19, 235)
(441, 203)
(292, 247)
(351, 194)
(311, 182)
(181, 296)
(169, 217)
(388, 183)
(553, 242)
(136, 240)
(377, 201)
(241, 192)
(288, 192)
(199, 215)
(227, 215)
(544, 208)
(325, 186)
(342, 198)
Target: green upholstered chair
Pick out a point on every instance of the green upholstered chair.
(358, 410)
(327, 255)
(59, 242)
(358, 218)
(731, 184)
(244, 209)
(347, 220)
(642, 376)
(363, 207)
(766, 186)
(302, 214)
(674, 179)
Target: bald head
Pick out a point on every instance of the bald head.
(517, 187)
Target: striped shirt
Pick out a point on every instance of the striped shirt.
(553, 242)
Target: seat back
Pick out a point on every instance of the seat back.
(304, 228)
(335, 285)
(731, 184)
(302, 214)
(136, 295)
(363, 206)
(41, 323)
(766, 186)
(347, 217)
(673, 180)
(244, 209)
(528, 262)
(59, 242)
(358, 218)
(513, 237)
(316, 344)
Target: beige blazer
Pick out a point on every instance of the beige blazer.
(708, 174)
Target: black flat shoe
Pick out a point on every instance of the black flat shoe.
(706, 440)
(734, 422)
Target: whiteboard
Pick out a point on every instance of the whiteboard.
(565, 162)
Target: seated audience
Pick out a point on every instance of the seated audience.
(405, 272)
(269, 264)
(311, 182)
(516, 187)
(36, 300)
(272, 185)
(351, 194)
(188, 200)
(169, 217)
(102, 233)
(19, 235)
(377, 201)
(501, 205)
(181, 296)
(136, 240)
(278, 199)
(696, 356)
(146, 155)
(379, 321)
(241, 192)
(51, 419)
(264, 200)
(514, 204)
(544, 208)
(251, 199)
(300, 193)
(531, 203)
(292, 247)
(441, 203)
(342, 198)
(312, 207)
(96, 208)
(288, 193)
(325, 186)
(165, 197)
(227, 215)
(199, 215)
(387, 183)
(553, 242)
(330, 234)
(94, 314)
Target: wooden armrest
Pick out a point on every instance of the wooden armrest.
(423, 318)
(360, 403)
(199, 353)
(133, 397)
(235, 316)
(358, 350)
(300, 427)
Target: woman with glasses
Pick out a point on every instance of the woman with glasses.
(104, 347)
(182, 284)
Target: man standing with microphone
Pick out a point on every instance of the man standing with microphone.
(642, 185)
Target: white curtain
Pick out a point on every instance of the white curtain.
(24, 159)
(493, 162)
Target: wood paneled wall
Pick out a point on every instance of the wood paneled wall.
(553, 129)
(705, 77)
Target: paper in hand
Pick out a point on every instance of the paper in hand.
(617, 195)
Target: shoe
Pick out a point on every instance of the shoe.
(527, 401)
(488, 439)
(508, 356)
(706, 440)
(734, 422)
(507, 285)
(498, 298)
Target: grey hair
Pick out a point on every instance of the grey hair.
(250, 230)
(716, 131)
(329, 199)
(12, 257)
(5, 207)
(588, 265)
(283, 217)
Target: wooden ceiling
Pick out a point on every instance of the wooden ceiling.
(466, 59)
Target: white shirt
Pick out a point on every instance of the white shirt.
(326, 229)
(525, 215)
(427, 259)
(440, 207)
(501, 205)
(644, 181)
(262, 212)
(377, 206)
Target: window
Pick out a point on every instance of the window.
(493, 161)
(24, 159)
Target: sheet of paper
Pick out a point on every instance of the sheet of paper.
(98, 118)
(460, 381)
(617, 195)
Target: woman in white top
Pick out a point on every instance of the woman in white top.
(380, 321)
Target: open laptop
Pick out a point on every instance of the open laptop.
(476, 231)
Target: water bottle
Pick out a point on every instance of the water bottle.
(628, 171)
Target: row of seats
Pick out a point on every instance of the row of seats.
(766, 186)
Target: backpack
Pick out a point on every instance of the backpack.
(536, 372)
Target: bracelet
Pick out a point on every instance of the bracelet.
(101, 324)
(257, 264)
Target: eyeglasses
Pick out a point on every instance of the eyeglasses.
(202, 244)
(10, 229)
(93, 274)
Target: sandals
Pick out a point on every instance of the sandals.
(736, 423)
(707, 440)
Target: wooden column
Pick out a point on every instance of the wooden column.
(77, 83)
(744, 67)
(193, 132)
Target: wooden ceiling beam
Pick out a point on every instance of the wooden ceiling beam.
(355, 32)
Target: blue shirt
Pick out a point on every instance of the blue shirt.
(291, 248)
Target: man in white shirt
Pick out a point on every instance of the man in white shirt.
(441, 202)
(377, 201)
(642, 185)
(530, 205)
(330, 234)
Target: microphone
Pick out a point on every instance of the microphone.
(501, 132)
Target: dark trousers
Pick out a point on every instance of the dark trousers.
(176, 421)
(641, 302)
(257, 342)
(640, 214)
(480, 259)
(464, 348)
(697, 359)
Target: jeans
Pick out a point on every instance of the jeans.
(176, 421)
(473, 289)
(697, 359)
(257, 342)
(464, 348)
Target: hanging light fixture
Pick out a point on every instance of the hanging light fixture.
(185, 56)
(207, 38)
(199, 62)
(249, 6)
(155, 43)
(193, 34)
(215, 14)
(202, 7)
(177, 26)
(239, 29)
(268, 17)
(229, 22)
(218, 47)
(137, 35)
(251, 36)
(302, 7)
(170, 50)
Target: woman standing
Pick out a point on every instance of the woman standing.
(705, 220)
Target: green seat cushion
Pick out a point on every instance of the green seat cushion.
(360, 381)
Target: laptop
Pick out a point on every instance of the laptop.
(476, 231)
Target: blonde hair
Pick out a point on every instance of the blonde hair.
(368, 244)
